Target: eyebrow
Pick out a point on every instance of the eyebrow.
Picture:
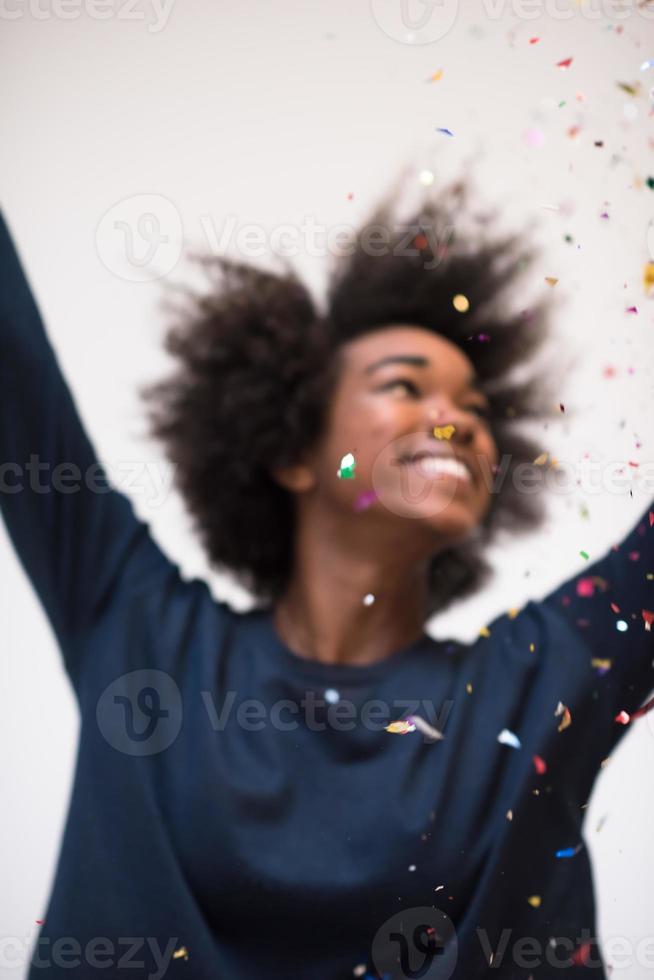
(417, 360)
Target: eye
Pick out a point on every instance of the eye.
(406, 383)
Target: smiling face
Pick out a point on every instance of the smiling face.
(396, 385)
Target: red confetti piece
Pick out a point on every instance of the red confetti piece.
(534, 40)
(623, 718)
(39, 922)
(565, 63)
(580, 956)
(539, 764)
(648, 617)
(631, 309)
(585, 587)
(420, 241)
(616, 609)
(651, 518)
(643, 711)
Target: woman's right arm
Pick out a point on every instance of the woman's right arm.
(77, 537)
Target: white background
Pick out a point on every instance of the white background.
(270, 113)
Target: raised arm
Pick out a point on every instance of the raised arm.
(609, 605)
(78, 539)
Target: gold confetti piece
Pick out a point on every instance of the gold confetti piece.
(541, 460)
(461, 303)
(180, 952)
(551, 280)
(512, 613)
(566, 720)
(629, 89)
(534, 901)
(444, 431)
(532, 647)
(469, 687)
(400, 727)
(484, 631)
(509, 814)
(602, 663)
(436, 77)
(648, 276)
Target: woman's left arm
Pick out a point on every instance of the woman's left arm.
(610, 604)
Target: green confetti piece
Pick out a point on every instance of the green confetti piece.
(584, 554)
(346, 471)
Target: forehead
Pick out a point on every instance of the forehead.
(400, 339)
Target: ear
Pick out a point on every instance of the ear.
(297, 478)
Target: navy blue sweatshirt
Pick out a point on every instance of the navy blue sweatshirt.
(239, 812)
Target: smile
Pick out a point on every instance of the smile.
(438, 467)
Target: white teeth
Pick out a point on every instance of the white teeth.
(431, 465)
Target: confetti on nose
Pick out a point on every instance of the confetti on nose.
(444, 431)
(346, 471)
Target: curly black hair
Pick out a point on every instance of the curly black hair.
(257, 363)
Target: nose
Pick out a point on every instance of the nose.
(443, 412)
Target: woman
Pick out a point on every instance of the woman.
(317, 788)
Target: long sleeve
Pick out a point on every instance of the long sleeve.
(78, 539)
(607, 606)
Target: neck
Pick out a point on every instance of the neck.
(322, 615)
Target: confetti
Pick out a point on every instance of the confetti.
(346, 471)
(442, 129)
(629, 89)
(424, 727)
(648, 617)
(365, 499)
(580, 956)
(539, 764)
(484, 631)
(436, 77)
(551, 280)
(509, 738)
(562, 407)
(584, 554)
(566, 720)
(444, 431)
(469, 688)
(540, 460)
(648, 275)
(534, 901)
(180, 952)
(622, 718)
(586, 587)
(368, 599)
(601, 664)
(461, 303)
(534, 40)
(631, 309)
(400, 728)
(622, 626)
(565, 63)
(568, 852)
(509, 814)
